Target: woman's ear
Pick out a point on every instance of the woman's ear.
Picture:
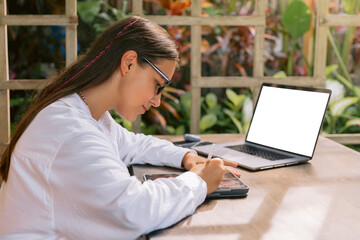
(128, 60)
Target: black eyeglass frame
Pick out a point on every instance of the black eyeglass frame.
(168, 81)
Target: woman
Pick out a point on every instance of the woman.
(65, 170)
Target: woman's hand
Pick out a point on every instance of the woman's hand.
(190, 160)
(211, 172)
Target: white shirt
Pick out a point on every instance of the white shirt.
(68, 179)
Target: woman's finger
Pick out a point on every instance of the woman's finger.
(234, 171)
(230, 163)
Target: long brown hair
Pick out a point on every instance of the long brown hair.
(96, 66)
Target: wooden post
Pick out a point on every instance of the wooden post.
(321, 42)
(258, 70)
(4, 77)
(71, 33)
(137, 7)
(195, 70)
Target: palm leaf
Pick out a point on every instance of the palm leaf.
(339, 107)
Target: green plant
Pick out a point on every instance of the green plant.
(296, 21)
(181, 126)
(99, 14)
(232, 116)
(339, 117)
(211, 109)
(344, 112)
(240, 110)
(123, 122)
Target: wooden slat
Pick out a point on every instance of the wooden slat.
(38, 20)
(137, 7)
(4, 76)
(340, 20)
(220, 82)
(22, 84)
(321, 42)
(308, 37)
(353, 138)
(4, 115)
(259, 40)
(258, 70)
(2, 149)
(71, 33)
(71, 44)
(195, 70)
(210, 21)
(195, 111)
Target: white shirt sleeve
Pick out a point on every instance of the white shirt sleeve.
(142, 149)
(101, 195)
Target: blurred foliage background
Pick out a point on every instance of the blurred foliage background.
(38, 52)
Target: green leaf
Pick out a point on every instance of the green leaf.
(211, 99)
(297, 19)
(357, 91)
(352, 122)
(339, 107)
(234, 120)
(106, 17)
(127, 124)
(117, 13)
(343, 80)
(216, 110)
(330, 69)
(12, 128)
(349, 6)
(232, 96)
(280, 74)
(180, 130)
(149, 130)
(88, 10)
(229, 104)
(235, 98)
(17, 101)
(170, 130)
(207, 121)
(247, 111)
(246, 126)
(337, 90)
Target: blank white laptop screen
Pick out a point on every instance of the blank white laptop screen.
(288, 119)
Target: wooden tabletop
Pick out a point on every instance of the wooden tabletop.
(316, 200)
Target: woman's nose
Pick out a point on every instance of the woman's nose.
(155, 101)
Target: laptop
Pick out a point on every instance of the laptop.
(283, 131)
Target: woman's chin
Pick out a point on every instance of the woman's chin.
(131, 118)
(128, 117)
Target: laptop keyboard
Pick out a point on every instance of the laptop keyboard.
(259, 152)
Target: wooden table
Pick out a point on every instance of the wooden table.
(316, 200)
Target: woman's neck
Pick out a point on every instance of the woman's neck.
(101, 97)
(98, 100)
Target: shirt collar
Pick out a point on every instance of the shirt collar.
(74, 100)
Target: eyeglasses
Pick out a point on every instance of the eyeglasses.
(160, 89)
